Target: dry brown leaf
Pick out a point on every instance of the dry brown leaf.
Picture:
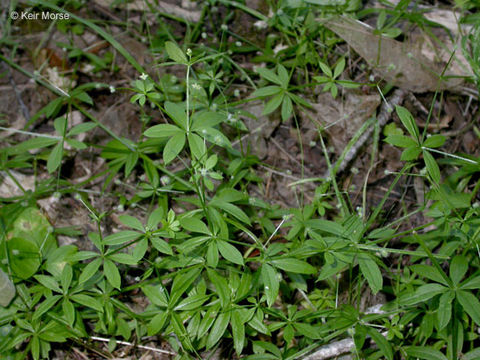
(401, 63)
(343, 118)
(141, 5)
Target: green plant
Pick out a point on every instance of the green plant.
(192, 254)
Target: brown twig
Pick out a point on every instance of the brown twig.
(383, 116)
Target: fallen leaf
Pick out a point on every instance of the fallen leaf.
(401, 63)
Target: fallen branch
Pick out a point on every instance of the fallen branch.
(344, 346)
(383, 116)
(96, 338)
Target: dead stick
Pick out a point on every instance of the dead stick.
(344, 346)
(382, 118)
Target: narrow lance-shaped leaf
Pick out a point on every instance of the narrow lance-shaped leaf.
(175, 53)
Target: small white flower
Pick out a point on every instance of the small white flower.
(143, 76)
(165, 180)
(196, 86)
(112, 89)
(204, 35)
(15, 252)
(189, 52)
(224, 27)
(238, 43)
(236, 93)
(260, 25)
(279, 48)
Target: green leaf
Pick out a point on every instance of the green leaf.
(81, 128)
(137, 254)
(162, 130)
(30, 144)
(128, 259)
(294, 265)
(270, 283)
(197, 145)
(55, 158)
(381, 342)
(68, 311)
(181, 283)
(173, 147)
(7, 289)
(221, 286)
(339, 68)
(131, 222)
(471, 283)
(214, 136)
(177, 114)
(212, 254)
(206, 119)
(410, 154)
(408, 121)
(194, 225)
(161, 245)
(458, 268)
(308, 330)
(401, 141)
(49, 282)
(24, 256)
(269, 75)
(59, 125)
(175, 53)
(326, 69)
(434, 141)
(76, 144)
(112, 274)
(423, 352)
(82, 96)
(231, 209)
(371, 271)
(66, 277)
(429, 272)
(287, 108)
(283, 76)
(121, 237)
(273, 104)
(218, 329)
(87, 301)
(230, 252)
(89, 270)
(156, 294)
(238, 331)
(156, 324)
(422, 294)
(191, 303)
(46, 305)
(472, 355)
(432, 167)
(267, 91)
(444, 312)
(470, 304)
(326, 226)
